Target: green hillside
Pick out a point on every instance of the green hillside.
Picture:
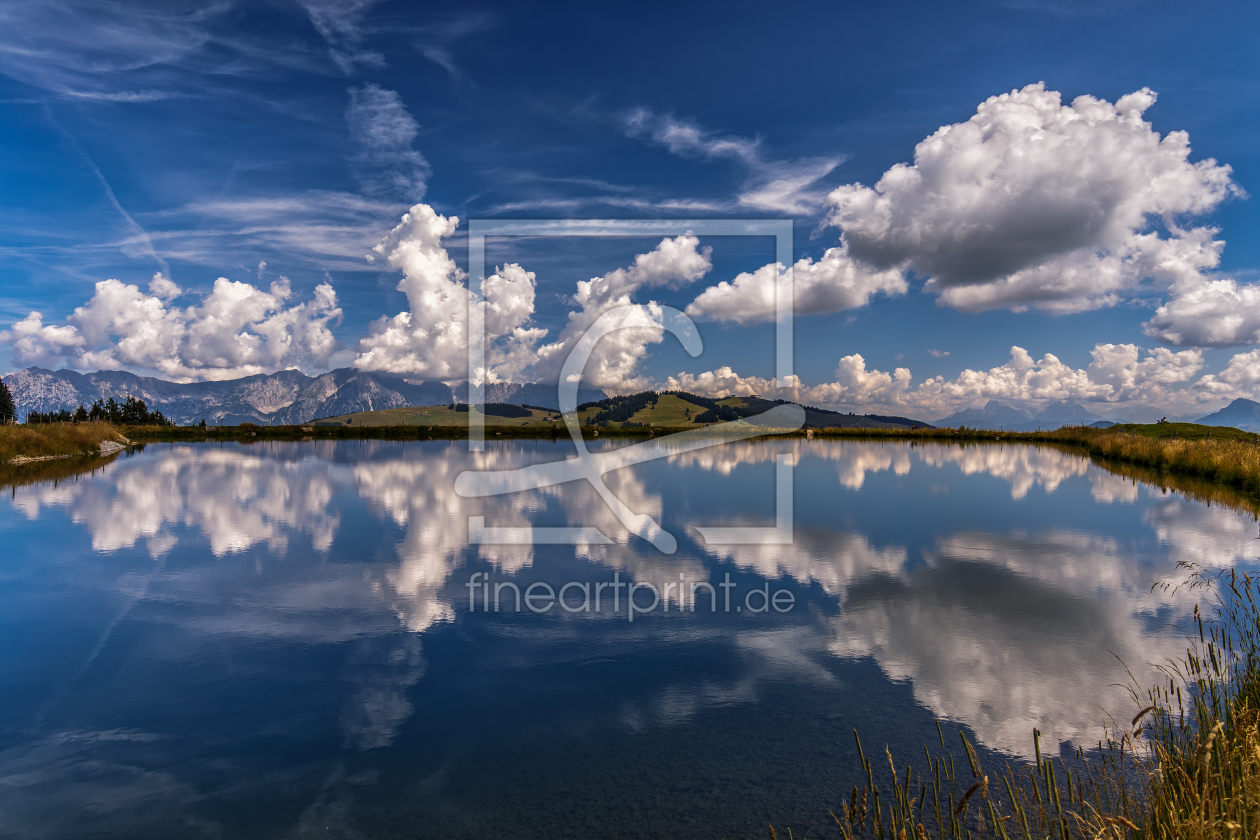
(668, 410)
(1185, 431)
(432, 415)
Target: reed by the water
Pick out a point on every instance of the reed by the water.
(1233, 462)
(44, 440)
(1186, 767)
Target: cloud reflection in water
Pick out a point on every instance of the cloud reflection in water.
(1001, 628)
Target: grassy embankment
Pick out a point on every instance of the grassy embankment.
(1186, 767)
(55, 440)
(1222, 456)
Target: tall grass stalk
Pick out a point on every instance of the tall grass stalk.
(1186, 767)
(1204, 723)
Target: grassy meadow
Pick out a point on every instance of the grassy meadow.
(668, 412)
(430, 415)
(55, 439)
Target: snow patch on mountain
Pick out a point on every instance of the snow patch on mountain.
(287, 396)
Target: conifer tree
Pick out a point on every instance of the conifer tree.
(8, 413)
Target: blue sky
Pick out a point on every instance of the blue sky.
(202, 140)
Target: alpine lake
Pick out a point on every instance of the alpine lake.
(326, 639)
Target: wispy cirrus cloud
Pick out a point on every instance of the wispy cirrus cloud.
(121, 96)
(128, 53)
(138, 240)
(573, 205)
(556, 194)
(386, 163)
(316, 229)
(436, 42)
(340, 24)
(782, 186)
(98, 51)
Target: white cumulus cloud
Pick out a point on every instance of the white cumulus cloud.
(431, 338)
(1209, 313)
(509, 304)
(1119, 373)
(615, 362)
(1240, 378)
(853, 385)
(236, 330)
(834, 283)
(1150, 379)
(1035, 203)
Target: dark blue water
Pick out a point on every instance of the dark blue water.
(276, 640)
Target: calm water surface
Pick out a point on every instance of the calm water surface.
(276, 640)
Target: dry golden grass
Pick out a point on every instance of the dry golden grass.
(1203, 727)
(54, 439)
(1233, 462)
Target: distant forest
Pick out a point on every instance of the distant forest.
(620, 409)
(132, 412)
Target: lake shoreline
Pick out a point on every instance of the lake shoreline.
(1218, 456)
(35, 442)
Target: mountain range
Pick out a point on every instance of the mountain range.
(1241, 414)
(1021, 417)
(1025, 417)
(290, 396)
(286, 396)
